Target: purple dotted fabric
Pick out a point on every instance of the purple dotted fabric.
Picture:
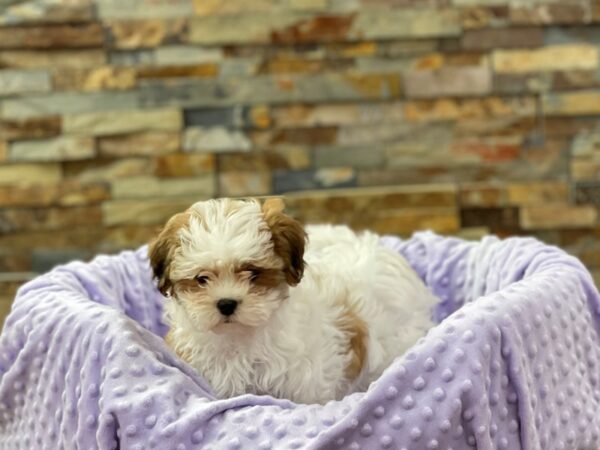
(514, 364)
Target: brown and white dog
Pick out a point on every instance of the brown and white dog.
(256, 307)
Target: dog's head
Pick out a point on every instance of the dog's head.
(229, 261)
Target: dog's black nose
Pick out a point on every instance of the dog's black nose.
(227, 306)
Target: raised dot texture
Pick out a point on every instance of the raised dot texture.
(512, 345)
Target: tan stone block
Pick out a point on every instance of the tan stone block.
(73, 237)
(146, 33)
(537, 192)
(23, 174)
(557, 215)
(218, 29)
(96, 237)
(124, 237)
(62, 148)
(408, 221)
(106, 171)
(5, 307)
(468, 109)
(585, 169)
(363, 201)
(202, 186)
(75, 195)
(558, 57)
(52, 36)
(577, 103)
(14, 261)
(18, 220)
(31, 59)
(308, 5)
(551, 13)
(482, 195)
(373, 85)
(448, 81)
(260, 116)
(97, 79)
(43, 127)
(184, 164)
(405, 23)
(328, 114)
(119, 122)
(295, 64)
(68, 193)
(32, 12)
(240, 183)
(218, 7)
(513, 194)
(149, 143)
(473, 233)
(144, 212)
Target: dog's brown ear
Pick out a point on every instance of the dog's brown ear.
(289, 239)
(162, 249)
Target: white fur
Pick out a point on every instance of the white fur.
(287, 342)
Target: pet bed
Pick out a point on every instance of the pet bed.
(514, 364)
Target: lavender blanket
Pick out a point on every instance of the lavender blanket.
(82, 364)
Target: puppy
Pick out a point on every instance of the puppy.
(256, 307)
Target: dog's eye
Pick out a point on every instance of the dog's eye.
(254, 275)
(202, 280)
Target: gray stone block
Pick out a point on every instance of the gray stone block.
(14, 82)
(302, 180)
(368, 156)
(67, 103)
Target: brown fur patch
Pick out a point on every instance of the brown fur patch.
(289, 239)
(186, 285)
(265, 277)
(351, 324)
(162, 250)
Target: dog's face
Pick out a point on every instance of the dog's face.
(229, 263)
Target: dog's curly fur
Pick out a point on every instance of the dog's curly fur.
(316, 318)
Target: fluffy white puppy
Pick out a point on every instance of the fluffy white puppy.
(256, 307)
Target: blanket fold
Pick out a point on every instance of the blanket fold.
(513, 364)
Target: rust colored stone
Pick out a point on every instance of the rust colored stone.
(314, 29)
(303, 65)
(207, 70)
(183, 164)
(489, 151)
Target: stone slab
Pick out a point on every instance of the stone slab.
(121, 122)
(62, 148)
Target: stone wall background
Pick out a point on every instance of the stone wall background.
(452, 115)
